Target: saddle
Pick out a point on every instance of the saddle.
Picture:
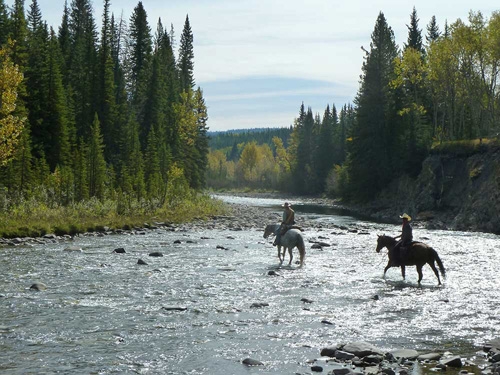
(285, 228)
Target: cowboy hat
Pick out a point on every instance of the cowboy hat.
(405, 216)
(286, 205)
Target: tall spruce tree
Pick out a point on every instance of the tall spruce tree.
(63, 36)
(369, 164)
(186, 58)
(140, 42)
(36, 76)
(57, 113)
(324, 152)
(433, 32)
(106, 92)
(96, 164)
(414, 33)
(82, 64)
(4, 23)
(414, 133)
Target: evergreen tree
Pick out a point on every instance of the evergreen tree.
(37, 83)
(65, 42)
(414, 34)
(433, 32)
(106, 93)
(81, 168)
(324, 153)
(19, 34)
(369, 164)
(302, 149)
(154, 181)
(201, 141)
(4, 23)
(345, 124)
(56, 109)
(96, 164)
(82, 64)
(140, 42)
(133, 170)
(186, 58)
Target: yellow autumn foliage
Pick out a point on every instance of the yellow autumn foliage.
(11, 125)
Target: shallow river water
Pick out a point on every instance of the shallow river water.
(102, 313)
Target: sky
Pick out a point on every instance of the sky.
(257, 61)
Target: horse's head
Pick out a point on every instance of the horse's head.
(384, 241)
(268, 231)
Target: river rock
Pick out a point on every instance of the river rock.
(259, 305)
(155, 254)
(373, 359)
(141, 262)
(76, 249)
(341, 371)
(455, 361)
(430, 357)
(119, 250)
(361, 349)
(495, 357)
(329, 352)
(252, 362)
(317, 369)
(306, 300)
(273, 273)
(174, 308)
(344, 356)
(404, 353)
(38, 286)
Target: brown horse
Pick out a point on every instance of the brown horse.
(417, 254)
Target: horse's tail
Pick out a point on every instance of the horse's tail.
(439, 262)
(302, 249)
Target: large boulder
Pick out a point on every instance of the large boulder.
(404, 353)
(361, 349)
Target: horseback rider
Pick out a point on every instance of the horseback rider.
(406, 238)
(286, 223)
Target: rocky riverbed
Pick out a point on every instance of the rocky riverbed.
(351, 356)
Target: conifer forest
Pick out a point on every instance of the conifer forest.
(96, 115)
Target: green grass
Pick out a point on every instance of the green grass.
(34, 219)
(465, 147)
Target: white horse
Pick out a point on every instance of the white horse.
(292, 238)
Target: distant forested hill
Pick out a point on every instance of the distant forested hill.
(226, 139)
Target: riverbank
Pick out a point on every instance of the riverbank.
(33, 219)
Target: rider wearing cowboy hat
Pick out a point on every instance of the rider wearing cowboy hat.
(406, 237)
(286, 223)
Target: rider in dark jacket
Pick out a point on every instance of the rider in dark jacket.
(406, 237)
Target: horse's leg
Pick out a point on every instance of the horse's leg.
(302, 253)
(279, 255)
(420, 275)
(435, 271)
(387, 267)
(403, 272)
(291, 255)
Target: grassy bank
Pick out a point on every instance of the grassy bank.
(32, 218)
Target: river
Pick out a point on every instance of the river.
(189, 312)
